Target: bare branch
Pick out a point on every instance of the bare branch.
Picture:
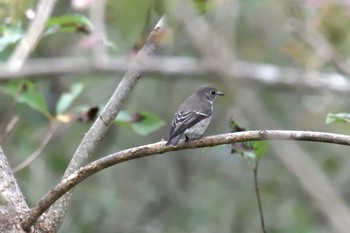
(159, 148)
(324, 196)
(12, 202)
(32, 36)
(9, 122)
(97, 131)
(9, 190)
(9, 127)
(264, 74)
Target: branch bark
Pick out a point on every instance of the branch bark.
(321, 190)
(12, 202)
(159, 148)
(97, 131)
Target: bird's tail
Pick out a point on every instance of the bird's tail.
(174, 140)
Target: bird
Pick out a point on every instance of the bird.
(193, 116)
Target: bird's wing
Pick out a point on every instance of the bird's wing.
(184, 120)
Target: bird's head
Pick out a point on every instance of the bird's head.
(209, 92)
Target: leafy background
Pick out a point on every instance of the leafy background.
(205, 190)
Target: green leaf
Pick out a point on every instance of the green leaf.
(249, 150)
(67, 98)
(26, 93)
(337, 117)
(142, 123)
(68, 23)
(10, 35)
(148, 124)
(260, 148)
(252, 150)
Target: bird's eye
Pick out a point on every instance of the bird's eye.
(213, 92)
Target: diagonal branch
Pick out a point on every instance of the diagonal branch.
(320, 45)
(32, 36)
(217, 51)
(159, 148)
(97, 131)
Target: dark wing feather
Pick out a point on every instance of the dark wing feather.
(184, 120)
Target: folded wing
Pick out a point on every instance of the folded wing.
(184, 120)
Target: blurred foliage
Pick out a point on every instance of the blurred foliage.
(338, 118)
(333, 21)
(12, 11)
(67, 98)
(10, 35)
(25, 92)
(142, 123)
(196, 190)
(129, 18)
(68, 23)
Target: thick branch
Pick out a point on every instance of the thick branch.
(10, 192)
(97, 131)
(12, 203)
(159, 148)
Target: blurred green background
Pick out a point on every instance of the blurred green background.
(201, 190)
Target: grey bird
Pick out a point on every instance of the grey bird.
(194, 115)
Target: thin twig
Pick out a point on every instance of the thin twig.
(9, 127)
(10, 118)
(258, 197)
(159, 148)
(38, 151)
(306, 170)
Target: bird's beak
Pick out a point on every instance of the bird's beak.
(220, 93)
